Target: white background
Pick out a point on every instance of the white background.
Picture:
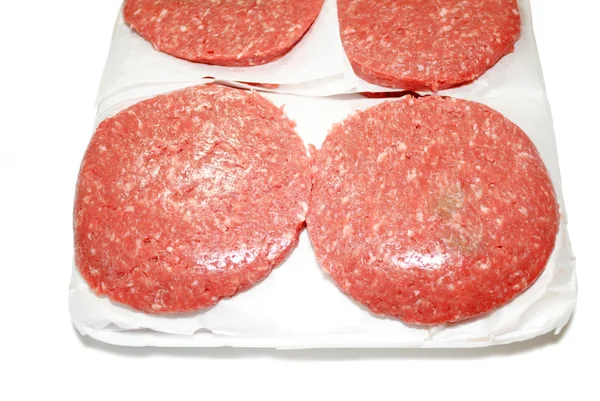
(52, 55)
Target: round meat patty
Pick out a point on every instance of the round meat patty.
(189, 197)
(431, 210)
(223, 32)
(426, 44)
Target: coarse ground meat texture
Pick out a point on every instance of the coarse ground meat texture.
(431, 210)
(189, 197)
(426, 44)
(223, 32)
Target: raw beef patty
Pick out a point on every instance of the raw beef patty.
(189, 197)
(431, 210)
(426, 44)
(223, 32)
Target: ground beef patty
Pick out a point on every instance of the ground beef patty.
(223, 32)
(431, 210)
(189, 197)
(426, 44)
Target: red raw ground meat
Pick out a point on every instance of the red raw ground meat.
(223, 32)
(426, 44)
(431, 210)
(189, 197)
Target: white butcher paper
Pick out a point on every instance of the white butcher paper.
(297, 306)
(316, 66)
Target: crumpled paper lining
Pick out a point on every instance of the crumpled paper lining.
(298, 306)
(316, 66)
